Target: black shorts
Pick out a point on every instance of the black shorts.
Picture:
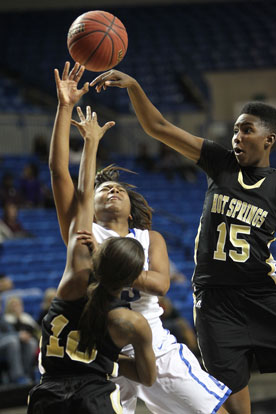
(79, 394)
(234, 325)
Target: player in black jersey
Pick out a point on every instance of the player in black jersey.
(87, 324)
(234, 277)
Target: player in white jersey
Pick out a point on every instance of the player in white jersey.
(181, 385)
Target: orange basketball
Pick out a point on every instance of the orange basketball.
(98, 40)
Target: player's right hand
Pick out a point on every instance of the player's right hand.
(112, 78)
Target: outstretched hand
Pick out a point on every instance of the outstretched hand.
(89, 127)
(112, 78)
(67, 86)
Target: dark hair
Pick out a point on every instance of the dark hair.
(265, 112)
(141, 212)
(117, 262)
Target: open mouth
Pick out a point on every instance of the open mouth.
(238, 151)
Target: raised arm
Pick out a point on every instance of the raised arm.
(62, 185)
(156, 280)
(78, 264)
(151, 120)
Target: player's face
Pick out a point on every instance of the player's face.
(250, 141)
(111, 199)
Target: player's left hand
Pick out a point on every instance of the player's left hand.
(88, 239)
(67, 86)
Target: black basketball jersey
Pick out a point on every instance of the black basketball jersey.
(237, 224)
(60, 339)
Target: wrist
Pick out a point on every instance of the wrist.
(66, 107)
(133, 84)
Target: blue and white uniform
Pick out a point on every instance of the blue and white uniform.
(182, 387)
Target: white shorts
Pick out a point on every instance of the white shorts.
(182, 387)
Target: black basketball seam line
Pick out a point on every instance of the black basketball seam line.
(100, 31)
(106, 17)
(105, 24)
(86, 34)
(91, 55)
(94, 19)
(109, 60)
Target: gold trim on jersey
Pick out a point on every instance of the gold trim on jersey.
(272, 263)
(197, 241)
(249, 187)
(115, 400)
(115, 371)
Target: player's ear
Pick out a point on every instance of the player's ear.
(270, 140)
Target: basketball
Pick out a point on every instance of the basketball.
(98, 40)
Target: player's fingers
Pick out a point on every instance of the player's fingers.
(75, 123)
(96, 80)
(84, 232)
(85, 88)
(112, 83)
(65, 70)
(100, 78)
(99, 88)
(108, 125)
(88, 113)
(80, 113)
(56, 75)
(74, 71)
(79, 73)
(82, 236)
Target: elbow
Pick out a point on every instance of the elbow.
(156, 128)
(52, 166)
(163, 289)
(160, 290)
(150, 380)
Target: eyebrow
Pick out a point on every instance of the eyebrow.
(111, 185)
(246, 123)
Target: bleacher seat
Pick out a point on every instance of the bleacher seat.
(175, 39)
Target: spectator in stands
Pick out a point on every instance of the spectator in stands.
(76, 145)
(171, 164)
(175, 274)
(49, 295)
(177, 325)
(41, 148)
(10, 226)
(28, 331)
(5, 283)
(30, 186)
(33, 192)
(8, 190)
(11, 367)
(144, 159)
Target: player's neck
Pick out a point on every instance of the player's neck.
(117, 225)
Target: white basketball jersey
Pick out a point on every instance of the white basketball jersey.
(139, 301)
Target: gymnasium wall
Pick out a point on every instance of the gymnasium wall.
(62, 4)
